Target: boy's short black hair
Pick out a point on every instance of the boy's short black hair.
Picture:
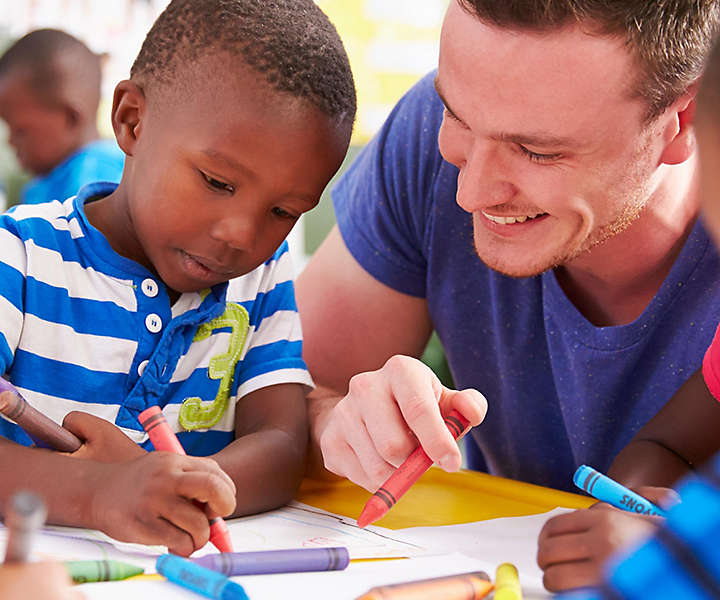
(57, 66)
(290, 42)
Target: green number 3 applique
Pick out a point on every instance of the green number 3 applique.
(195, 415)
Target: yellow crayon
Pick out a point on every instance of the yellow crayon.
(465, 586)
(507, 583)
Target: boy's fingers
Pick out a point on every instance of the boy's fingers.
(663, 497)
(571, 575)
(568, 523)
(189, 519)
(563, 548)
(85, 425)
(207, 487)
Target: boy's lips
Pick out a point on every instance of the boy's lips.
(207, 267)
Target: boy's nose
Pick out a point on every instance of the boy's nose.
(239, 232)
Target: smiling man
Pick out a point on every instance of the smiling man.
(535, 202)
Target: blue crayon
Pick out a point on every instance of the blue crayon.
(199, 579)
(608, 490)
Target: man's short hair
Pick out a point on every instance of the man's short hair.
(291, 43)
(669, 39)
(58, 66)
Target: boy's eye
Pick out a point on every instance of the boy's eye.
(539, 158)
(217, 184)
(283, 214)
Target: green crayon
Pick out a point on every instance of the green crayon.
(86, 571)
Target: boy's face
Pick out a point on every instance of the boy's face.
(38, 131)
(218, 174)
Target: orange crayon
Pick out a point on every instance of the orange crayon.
(406, 474)
(465, 586)
(164, 439)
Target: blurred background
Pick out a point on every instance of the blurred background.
(391, 44)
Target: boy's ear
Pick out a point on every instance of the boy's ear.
(679, 133)
(128, 110)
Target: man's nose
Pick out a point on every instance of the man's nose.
(484, 179)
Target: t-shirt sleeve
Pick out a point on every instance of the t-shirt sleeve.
(383, 202)
(13, 268)
(273, 349)
(711, 366)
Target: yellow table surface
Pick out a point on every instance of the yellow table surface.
(440, 498)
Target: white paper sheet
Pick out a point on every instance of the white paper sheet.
(495, 541)
(294, 526)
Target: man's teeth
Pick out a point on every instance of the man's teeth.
(511, 220)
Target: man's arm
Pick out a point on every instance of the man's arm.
(372, 407)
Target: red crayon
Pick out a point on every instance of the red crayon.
(406, 474)
(164, 439)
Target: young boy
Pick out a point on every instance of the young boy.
(573, 548)
(174, 288)
(49, 96)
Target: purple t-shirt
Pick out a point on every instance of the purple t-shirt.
(561, 392)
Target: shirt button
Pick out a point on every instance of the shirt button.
(149, 288)
(153, 323)
(141, 367)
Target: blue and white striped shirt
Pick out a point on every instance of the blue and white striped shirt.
(83, 328)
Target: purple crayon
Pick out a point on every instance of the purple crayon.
(276, 561)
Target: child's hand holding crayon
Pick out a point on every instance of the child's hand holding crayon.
(573, 547)
(149, 500)
(102, 440)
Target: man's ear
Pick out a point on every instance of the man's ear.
(679, 134)
(128, 109)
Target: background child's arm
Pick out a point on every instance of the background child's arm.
(37, 580)
(683, 434)
(267, 459)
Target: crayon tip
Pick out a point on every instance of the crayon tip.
(220, 535)
(374, 509)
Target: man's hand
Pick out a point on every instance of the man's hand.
(102, 441)
(384, 417)
(149, 500)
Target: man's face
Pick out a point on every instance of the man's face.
(553, 153)
(39, 132)
(219, 176)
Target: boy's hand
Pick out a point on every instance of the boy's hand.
(384, 416)
(37, 580)
(102, 441)
(573, 547)
(149, 500)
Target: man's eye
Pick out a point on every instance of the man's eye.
(539, 158)
(217, 184)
